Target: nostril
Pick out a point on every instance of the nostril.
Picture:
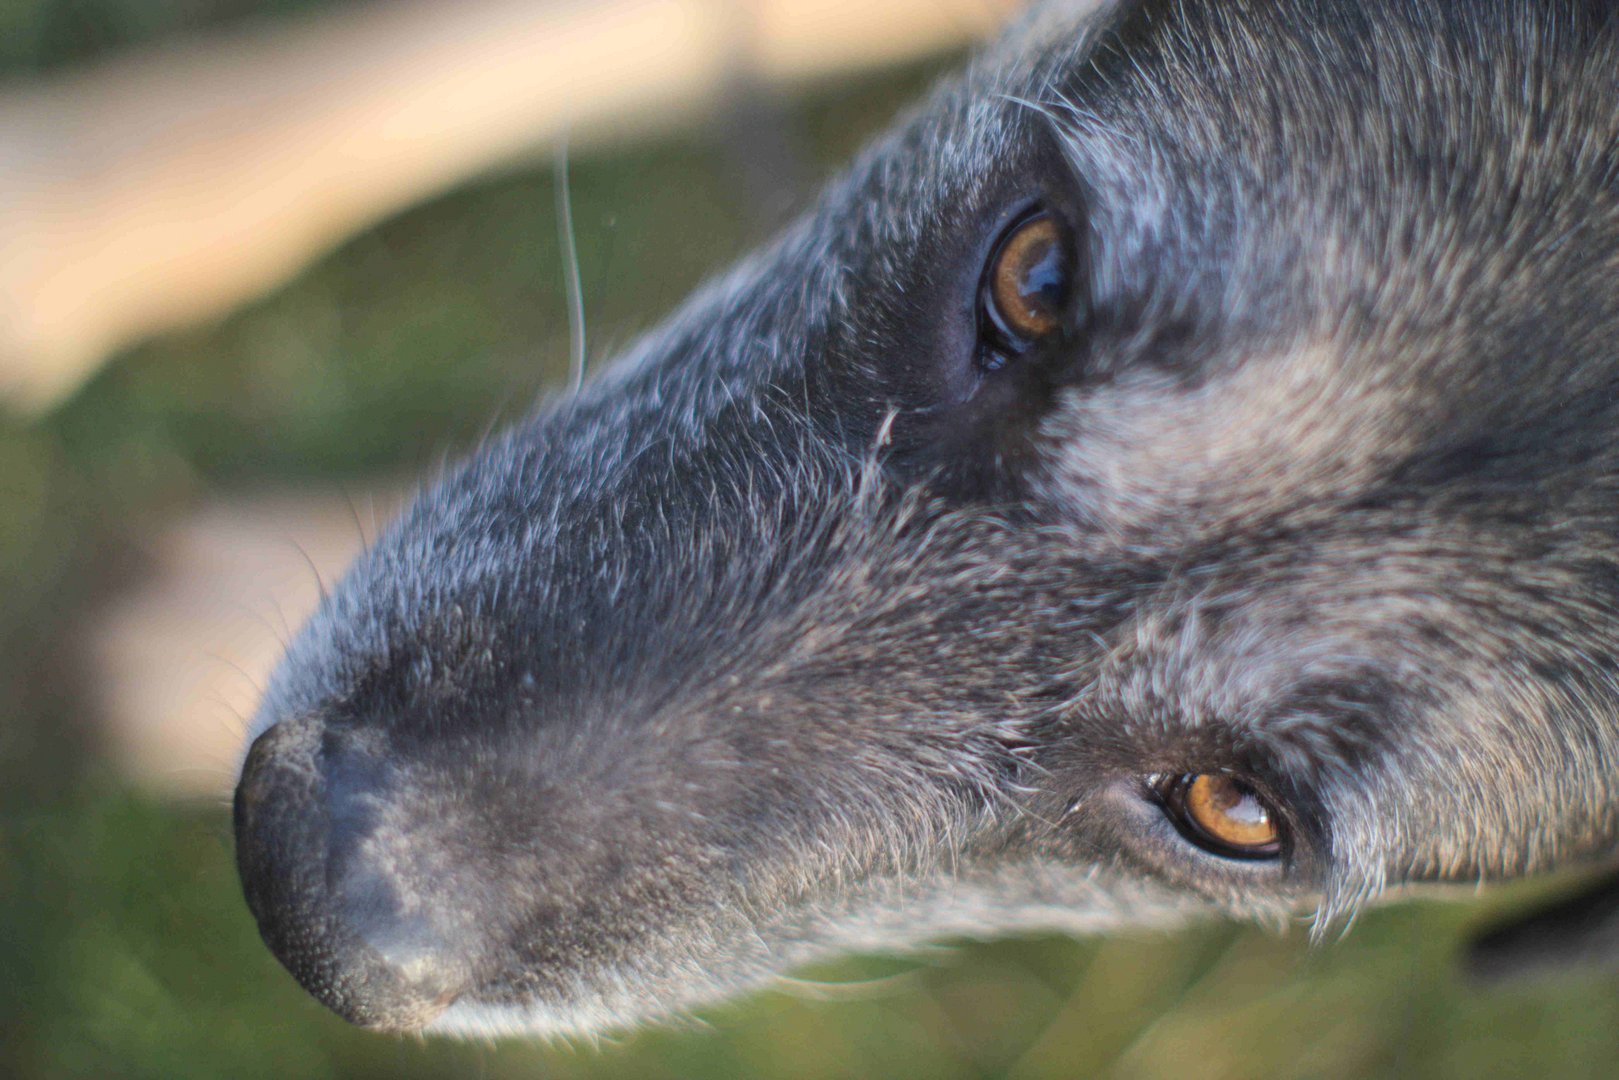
(335, 919)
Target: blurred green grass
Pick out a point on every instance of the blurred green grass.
(125, 949)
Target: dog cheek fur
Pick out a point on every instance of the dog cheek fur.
(1439, 700)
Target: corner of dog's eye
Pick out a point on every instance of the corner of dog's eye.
(1220, 813)
(1027, 287)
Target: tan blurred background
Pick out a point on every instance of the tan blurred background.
(263, 263)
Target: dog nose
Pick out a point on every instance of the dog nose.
(337, 919)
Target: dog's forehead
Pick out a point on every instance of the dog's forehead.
(1286, 166)
(1420, 155)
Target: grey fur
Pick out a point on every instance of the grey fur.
(795, 632)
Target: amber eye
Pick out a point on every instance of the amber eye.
(1026, 286)
(1221, 814)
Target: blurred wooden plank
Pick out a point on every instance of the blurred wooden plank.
(177, 663)
(169, 186)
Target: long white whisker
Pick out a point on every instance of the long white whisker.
(570, 267)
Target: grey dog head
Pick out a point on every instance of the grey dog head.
(838, 614)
